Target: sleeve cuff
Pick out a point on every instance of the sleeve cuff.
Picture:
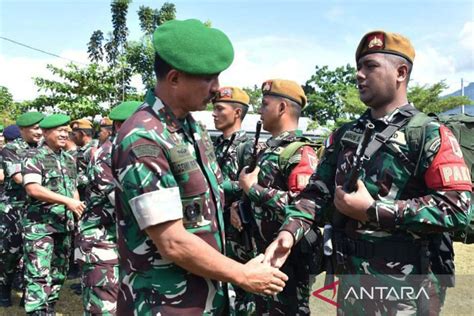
(13, 169)
(383, 214)
(254, 193)
(295, 228)
(32, 178)
(157, 207)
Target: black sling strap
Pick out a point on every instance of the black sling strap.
(404, 115)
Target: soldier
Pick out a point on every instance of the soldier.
(50, 180)
(272, 185)
(406, 195)
(96, 250)
(71, 146)
(168, 197)
(82, 133)
(230, 107)
(105, 130)
(10, 217)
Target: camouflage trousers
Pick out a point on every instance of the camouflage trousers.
(244, 302)
(10, 242)
(97, 256)
(294, 299)
(46, 259)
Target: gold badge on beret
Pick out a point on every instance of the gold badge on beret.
(376, 41)
(267, 86)
(225, 93)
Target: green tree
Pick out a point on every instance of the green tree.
(255, 94)
(81, 91)
(427, 98)
(140, 54)
(326, 90)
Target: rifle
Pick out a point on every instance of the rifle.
(357, 165)
(359, 159)
(333, 236)
(245, 212)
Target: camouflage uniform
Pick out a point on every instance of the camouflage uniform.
(226, 154)
(274, 190)
(96, 249)
(47, 227)
(83, 156)
(409, 206)
(12, 210)
(157, 160)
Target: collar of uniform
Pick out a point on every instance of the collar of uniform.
(160, 109)
(49, 150)
(391, 116)
(285, 136)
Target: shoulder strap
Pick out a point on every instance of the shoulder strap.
(416, 134)
(400, 119)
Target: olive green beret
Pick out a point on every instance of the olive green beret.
(232, 95)
(286, 89)
(124, 110)
(29, 119)
(54, 120)
(192, 47)
(385, 43)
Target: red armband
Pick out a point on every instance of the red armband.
(448, 171)
(299, 176)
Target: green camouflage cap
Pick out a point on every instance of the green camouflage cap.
(124, 110)
(192, 47)
(55, 120)
(29, 119)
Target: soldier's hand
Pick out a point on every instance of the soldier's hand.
(77, 207)
(354, 204)
(261, 278)
(246, 180)
(279, 250)
(234, 216)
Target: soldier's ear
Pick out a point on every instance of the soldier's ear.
(238, 113)
(173, 76)
(402, 73)
(282, 107)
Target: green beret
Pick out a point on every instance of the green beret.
(55, 120)
(192, 47)
(124, 110)
(29, 119)
(1, 128)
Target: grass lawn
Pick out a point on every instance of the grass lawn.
(459, 301)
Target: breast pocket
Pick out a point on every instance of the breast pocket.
(53, 181)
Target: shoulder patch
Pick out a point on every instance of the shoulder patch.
(146, 150)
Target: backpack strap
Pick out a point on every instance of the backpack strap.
(401, 118)
(416, 135)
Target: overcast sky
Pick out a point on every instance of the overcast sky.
(272, 39)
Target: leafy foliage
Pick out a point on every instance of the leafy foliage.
(326, 90)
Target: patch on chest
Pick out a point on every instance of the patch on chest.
(182, 160)
(351, 137)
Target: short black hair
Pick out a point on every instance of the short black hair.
(244, 109)
(161, 67)
(396, 61)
